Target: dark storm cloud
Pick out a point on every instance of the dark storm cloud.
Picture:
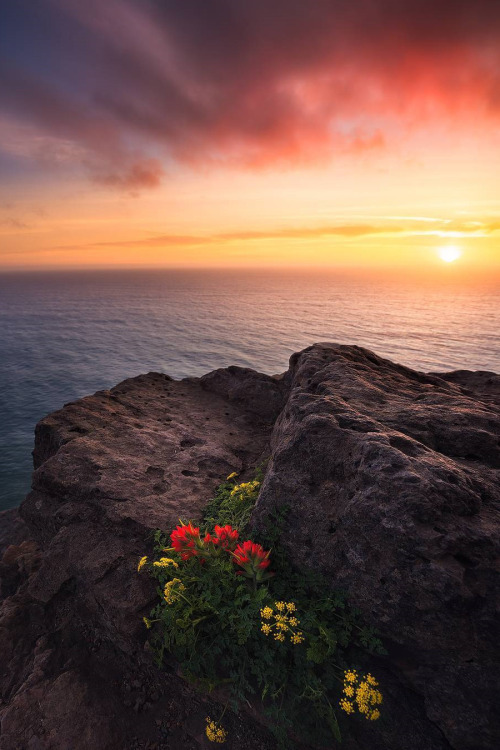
(252, 83)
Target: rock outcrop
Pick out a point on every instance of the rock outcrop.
(391, 479)
(13, 530)
(109, 470)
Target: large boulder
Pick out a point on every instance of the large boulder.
(109, 470)
(391, 477)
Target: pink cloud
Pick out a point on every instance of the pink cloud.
(258, 84)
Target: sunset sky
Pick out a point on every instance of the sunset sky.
(250, 133)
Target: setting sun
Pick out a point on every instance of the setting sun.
(449, 254)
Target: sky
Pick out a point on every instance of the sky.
(250, 133)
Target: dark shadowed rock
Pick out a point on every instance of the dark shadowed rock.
(391, 477)
(13, 530)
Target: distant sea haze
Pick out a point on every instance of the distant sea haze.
(64, 335)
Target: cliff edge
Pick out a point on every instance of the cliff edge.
(391, 480)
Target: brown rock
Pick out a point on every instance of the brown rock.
(13, 530)
(391, 477)
(109, 470)
(392, 481)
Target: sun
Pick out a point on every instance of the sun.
(449, 254)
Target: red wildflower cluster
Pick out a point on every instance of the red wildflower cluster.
(254, 560)
(251, 557)
(224, 537)
(186, 541)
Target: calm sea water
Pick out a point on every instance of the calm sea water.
(65, 335)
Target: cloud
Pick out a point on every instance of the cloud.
(12, 223)
(253, 84)
(301, 233)
(408, 226)
(145, 174)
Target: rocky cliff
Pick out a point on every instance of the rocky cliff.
(391, 477)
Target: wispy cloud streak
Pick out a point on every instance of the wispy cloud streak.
(346, 231)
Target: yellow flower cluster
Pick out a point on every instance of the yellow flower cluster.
(164, 562)
(142, 563)
(246, 490)
(284, 622)
(172, 590)
(214, 731)
(361, 693)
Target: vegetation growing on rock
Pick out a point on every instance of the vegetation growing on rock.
(236, 615)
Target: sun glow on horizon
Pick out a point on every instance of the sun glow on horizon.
(199, 157)
(449, 254)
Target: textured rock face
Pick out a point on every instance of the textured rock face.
(13, 530)
(391, 477)
(109, 470)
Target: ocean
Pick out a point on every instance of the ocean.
(64, 335)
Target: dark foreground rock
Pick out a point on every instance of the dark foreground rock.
(392, 481)
(391, 477)
(13, 530)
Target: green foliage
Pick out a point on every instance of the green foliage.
(232, 504)
(210, 619)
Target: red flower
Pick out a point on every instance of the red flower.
(186, 540)
(225, 536)
(254, 560)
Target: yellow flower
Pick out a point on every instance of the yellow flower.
(164, 562)
(346, 706)
(282, 626)
(214, 731)
(294, 622)
(297, 638)
(246, 490)
(232, 476)
(266, 629)
(362, 690)
(280, 606)
(146, 622)
(266, 613)
(142, 563)
(279, 636)
(172, 590)
(291, 606)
